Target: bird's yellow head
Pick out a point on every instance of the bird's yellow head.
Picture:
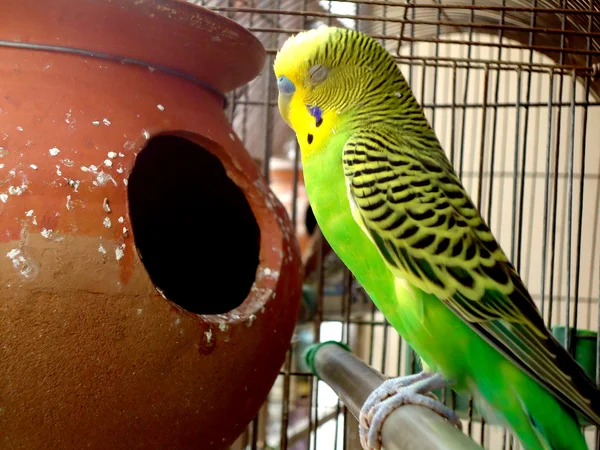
(331, 79)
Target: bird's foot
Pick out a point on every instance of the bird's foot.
(393, 393)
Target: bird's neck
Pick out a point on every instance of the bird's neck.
(325, 181)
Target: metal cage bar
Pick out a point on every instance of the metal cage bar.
(512, 88)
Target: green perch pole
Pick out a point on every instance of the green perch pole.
(408, 428)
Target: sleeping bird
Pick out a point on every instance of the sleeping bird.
(390, 204)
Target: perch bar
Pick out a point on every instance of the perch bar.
(408, 428)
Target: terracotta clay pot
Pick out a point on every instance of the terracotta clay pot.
(120, 175)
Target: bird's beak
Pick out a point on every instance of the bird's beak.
(283, 102)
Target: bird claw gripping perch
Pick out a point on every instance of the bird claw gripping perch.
(393, 393)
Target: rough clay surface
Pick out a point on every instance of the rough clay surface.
(92, 355)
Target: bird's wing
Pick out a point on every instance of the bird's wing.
(410, 202)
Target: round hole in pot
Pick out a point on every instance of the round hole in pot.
(193, 226)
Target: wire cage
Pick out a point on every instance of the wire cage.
(512, 88)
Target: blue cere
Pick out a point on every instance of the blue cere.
(285, 86)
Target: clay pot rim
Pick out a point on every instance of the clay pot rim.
(271, 252)
(176, 35)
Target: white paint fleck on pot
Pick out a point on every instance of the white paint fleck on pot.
(119, 252)
(102, 178)
(24, 265)
(250, 320)
(16, 190)
(74, 184)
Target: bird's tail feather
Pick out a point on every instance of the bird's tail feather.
(552, 428)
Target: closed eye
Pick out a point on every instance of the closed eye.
(318, 73)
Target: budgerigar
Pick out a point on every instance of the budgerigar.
(392, 207)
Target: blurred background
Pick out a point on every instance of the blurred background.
(512, 89)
